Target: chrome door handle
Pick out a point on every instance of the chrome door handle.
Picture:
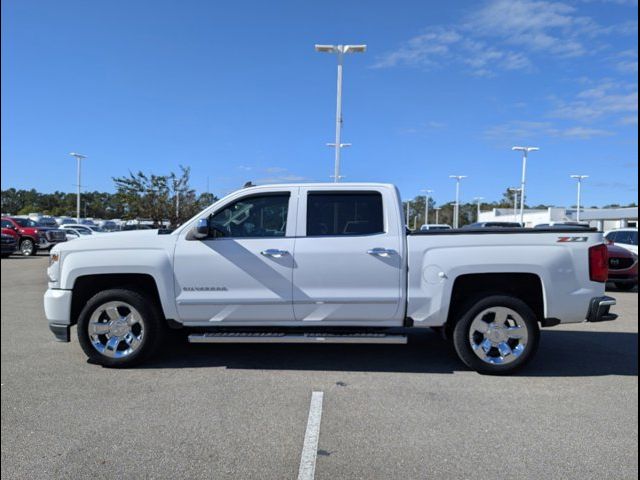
(381, 252)
(274, 252)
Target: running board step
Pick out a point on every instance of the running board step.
(276, 337)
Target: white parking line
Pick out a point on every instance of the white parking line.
(310, 446)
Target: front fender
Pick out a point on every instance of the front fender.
(153, 262)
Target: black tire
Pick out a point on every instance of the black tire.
(28, 247)
(625, 287)
(154, 324)
(462, 328)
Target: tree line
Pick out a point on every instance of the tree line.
(170, 197)
(138, 196)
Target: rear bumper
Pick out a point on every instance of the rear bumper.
(57, 309)
(600, 309)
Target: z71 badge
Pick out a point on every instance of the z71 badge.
(572, 239)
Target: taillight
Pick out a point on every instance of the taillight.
(599, 263)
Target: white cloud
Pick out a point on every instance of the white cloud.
(530, 130)
(503, 35)
(627, 62)
(603, 100)
(282, 179)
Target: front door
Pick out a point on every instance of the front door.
(242, 273)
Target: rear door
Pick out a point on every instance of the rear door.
(348, 258)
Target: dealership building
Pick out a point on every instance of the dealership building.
(601, 218)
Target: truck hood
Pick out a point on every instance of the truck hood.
(135, 239)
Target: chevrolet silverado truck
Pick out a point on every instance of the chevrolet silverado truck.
(324, 263)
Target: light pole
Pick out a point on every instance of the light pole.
(437, 214)
(408, 210)
(456, 210)
(525, 153)
(579, 178)
(478, 200)
(79, 157)
(340, 51)
(515, 191)
(426, 205)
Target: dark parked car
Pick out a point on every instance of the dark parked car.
(9, 245)
(564, 226)
(135, 227)
(494, 225)
(623, 267)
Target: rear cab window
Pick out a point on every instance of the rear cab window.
(344, 213)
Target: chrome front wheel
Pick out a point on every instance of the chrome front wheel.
(116, 329)
(27, 247)
(121, 327)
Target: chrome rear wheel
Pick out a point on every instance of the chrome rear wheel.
(498, 335)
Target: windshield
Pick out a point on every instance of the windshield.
(25, 222)
(48, 222)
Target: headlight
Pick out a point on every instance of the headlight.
(54, 257)
(54, 266)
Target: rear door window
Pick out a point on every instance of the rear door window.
(334, 214)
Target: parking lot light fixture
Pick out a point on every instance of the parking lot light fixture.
(340, 51)
(79, 157)
(437, 214)
(456, 209)
(427, 196)
(525, 154)
(579, 178)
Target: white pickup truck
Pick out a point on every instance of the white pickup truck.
(324, 263)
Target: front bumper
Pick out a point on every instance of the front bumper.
(9, 247)
(600, 309)
(57, 309)
(45, 244)
(625, 279)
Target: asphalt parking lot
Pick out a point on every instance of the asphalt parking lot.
(234, 411)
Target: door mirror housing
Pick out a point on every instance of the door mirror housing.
(202, 230)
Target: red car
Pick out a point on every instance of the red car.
(30, 236)
(623, 267)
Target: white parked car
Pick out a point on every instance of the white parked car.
(624, 237)
(323, 263)
(84, 229)
(435, 226)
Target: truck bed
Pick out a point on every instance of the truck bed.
(554, 260)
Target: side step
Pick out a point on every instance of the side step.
(278, 337)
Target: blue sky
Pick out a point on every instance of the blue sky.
(236, 91)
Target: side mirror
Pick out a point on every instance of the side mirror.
(202, 228)
(200, 231)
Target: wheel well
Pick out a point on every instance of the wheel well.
(87, 286)
(525, 286)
